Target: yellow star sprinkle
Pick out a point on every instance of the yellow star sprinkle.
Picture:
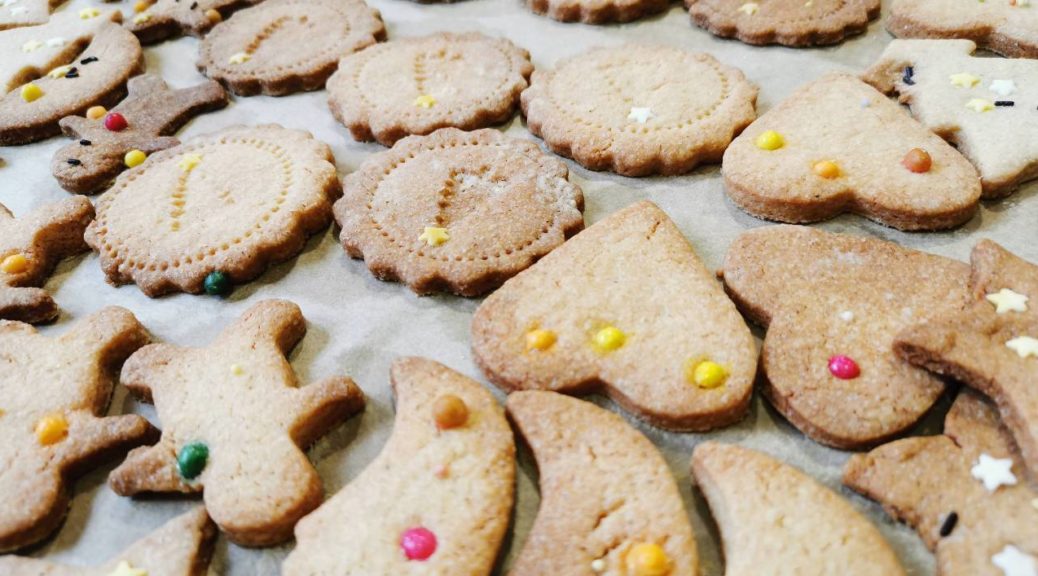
(425, 101)
(964, 80)
(434, 236)
(88, 13)
(189, 161)
(59, 72)
(1005, 300)
(1024, 346)
(141, 18)
(239, 58)
(237, 370)
(32, 46)
(125, 569)
(980, 105)
(749, 8)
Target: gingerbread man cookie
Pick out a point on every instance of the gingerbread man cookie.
(771, 514)
(151, 112)
(639, 110)
(832, 305)
(958, 490)
(836, 145)
(168, 18)
(1009, 27)
(597, 11)
(180, 547)
(609, 504)
(625, 308)
(991, 345)
(54, 393)
(233, 420)
(457, 211)
(790, 22)
(987, 107)
(30, 248)
(437, 500)
(221, 208)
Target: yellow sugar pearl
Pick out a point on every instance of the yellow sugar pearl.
(213, 15)
(15, 264)
(31, 92)
(434, 236)
(647, 559)
(134, 158)
(769, 140)
(826, 169)
(88, 13)
(141, 5)
(96, 112)
(609, 338)
(189, 161)
(237, 370)
(425, 101)
(540, 339)
(51, 429)
(707, 374)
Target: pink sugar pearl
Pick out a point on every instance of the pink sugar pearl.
(843, 367)
(418, 543)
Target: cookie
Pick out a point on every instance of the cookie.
(180, 547)
(152, 112)
(597, 11)
(219, 209)
(457, 211)
(609, 504)
(169, 18)
(771, 514)
(438, 498)
(1009, 27)
(233, 420)
(796, 23)
(55, 396)
(984, 106)
(992, 344)
(97, 76)
(16, 13)
(625, 308)
(832, 305)
(30, 248)
(418, 85)
(836, 145)
(638, 110)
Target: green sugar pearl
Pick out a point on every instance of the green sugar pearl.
(217, 284)
(192, 459)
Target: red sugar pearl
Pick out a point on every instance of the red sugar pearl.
(843, 367)
(418, 543)
(115, 122)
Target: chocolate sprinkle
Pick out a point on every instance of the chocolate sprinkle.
(86, 61)
(73, 162)
(72, 73)
(949, 524)
(85, 142)
(907, 77)
(1004, 103)
(194, 5)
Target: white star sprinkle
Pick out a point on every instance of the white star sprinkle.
(640, 115)
(846, 315)
(1024, 346)
(1014, 562)
(1005, 300)
(1002, 87)
(994, 472)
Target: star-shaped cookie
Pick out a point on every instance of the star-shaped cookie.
(233, 420)
(986, 349)
(30, 248)
(1009, 27)
(54, 393)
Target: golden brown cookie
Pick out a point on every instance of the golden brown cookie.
(790, 22)
(169, 18)
(597, 11)
(1009, 27)
(17, 13)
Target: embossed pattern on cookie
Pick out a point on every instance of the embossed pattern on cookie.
(1009, 27)
(168, 18)
(788, 22)
(639, 110)
(233, 202)
(283, 46)
(597, 11)
(457, 211)
(418, 85)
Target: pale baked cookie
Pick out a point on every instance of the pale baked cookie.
(217, 210)
(597, 11)
(625, 308)
(30, 248)
(771, 514)
(168, 18)
(609, 504)
(180, 547)
(418, 85)
(16, 13)
(457, 211)
(151, 112)
(1009, 27)
(991, 345)
(96, 76)
(54, 393)
(832, 305)
(234, 419)
(638, 110)
(437, 500)
(789, 22)
(283, 46)
(836, 145)
(985, 106)
(959, 491)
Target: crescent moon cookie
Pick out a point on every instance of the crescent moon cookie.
(96, 76)
(180, 547)
(597, 11)
(418, 85)
(457, 211)
(958, 490)
(217, 210)
(625, 308)
(609, 504)
(1009, 27)
(437, 500)
(234, 419)
(796, 23)
(982, 105)
(54, 394)
(151, 112)
(832, 306)
(771, 514)
(170, 18)
(639, 110)
(283, 46)
(836, 145)
(992, 344)
(30, 248)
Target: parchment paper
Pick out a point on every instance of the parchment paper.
(358, 325)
